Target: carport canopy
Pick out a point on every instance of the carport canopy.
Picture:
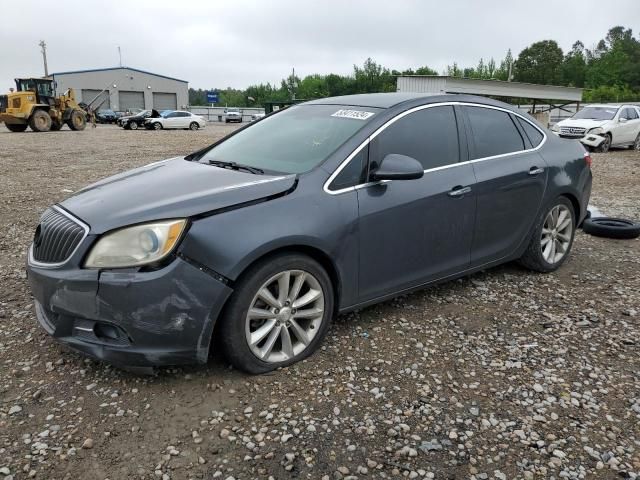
(550, 94)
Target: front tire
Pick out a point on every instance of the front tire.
(157, 126)
(278, 314)
(77, 121)
(552, 237)
(606, 144)
(133, 125)
(40, 121)
(16, 127)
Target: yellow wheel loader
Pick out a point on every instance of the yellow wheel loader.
(35, 105)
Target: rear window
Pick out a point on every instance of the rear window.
(493, 131)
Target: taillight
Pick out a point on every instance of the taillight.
(587, 159)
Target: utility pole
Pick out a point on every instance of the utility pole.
(120, 56)
(44, 57)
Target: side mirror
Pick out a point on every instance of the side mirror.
(398, 167)
(622, 120)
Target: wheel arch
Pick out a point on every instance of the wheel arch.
(574, 202)
(314, 252)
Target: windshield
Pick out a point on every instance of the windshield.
(294, 140)
(596, 113)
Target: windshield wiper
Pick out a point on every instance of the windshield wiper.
(236, 166)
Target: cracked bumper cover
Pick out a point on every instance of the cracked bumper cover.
(130, 318)
(592, 140)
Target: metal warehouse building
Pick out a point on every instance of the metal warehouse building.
(124, 88)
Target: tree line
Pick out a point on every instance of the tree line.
(609, 72)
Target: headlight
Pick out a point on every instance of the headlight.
(596, 131)
(555, 128)
(137, 245)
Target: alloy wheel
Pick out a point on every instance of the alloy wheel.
(556, 234)
(284, 316)
(636, 144)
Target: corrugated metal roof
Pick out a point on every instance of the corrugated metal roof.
(496, 88)
(118, 68)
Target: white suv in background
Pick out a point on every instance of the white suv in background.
(601, 127)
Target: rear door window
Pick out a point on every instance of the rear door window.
(535, 135)
(493, 132)
(429, 135)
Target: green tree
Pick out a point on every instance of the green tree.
(540, 63)
(574, 67)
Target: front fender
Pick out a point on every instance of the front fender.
(229, 242)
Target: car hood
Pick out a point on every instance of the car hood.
(581, 123)
(173, 188)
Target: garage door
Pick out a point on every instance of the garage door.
(101, 103)
(129, 100)
(165, 101)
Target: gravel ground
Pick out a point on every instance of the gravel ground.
(504, 374)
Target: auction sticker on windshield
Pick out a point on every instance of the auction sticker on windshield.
(356, 114)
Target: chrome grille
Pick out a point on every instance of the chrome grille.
(56, 237)
(572, 131)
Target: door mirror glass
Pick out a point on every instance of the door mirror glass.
(622, 119)
(398, 167)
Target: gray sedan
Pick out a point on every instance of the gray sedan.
(325, 207)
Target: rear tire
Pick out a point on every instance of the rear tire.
(77, 121)
(194, 126)
(289, 316)
(40, 121)
(636, 144)
(552, 237)
(16, 127)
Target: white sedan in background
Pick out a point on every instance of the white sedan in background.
(176, 119)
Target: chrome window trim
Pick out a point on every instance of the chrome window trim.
(391, 121)
(84, 226)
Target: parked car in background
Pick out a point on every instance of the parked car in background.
(601, 127)
(136, 121)
(325, 207)
(106, 116)
(257, 116)
(175, 119)
(232, 115)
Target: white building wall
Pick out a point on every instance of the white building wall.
(124, 79)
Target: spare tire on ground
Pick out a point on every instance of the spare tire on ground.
(611, 227)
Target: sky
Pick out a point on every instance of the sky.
(238, 43)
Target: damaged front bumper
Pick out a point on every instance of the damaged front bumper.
(130, 318)
(592, 140)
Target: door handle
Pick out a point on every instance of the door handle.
(459, 191)
(535, 171)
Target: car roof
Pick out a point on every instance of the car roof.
(395, 99)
